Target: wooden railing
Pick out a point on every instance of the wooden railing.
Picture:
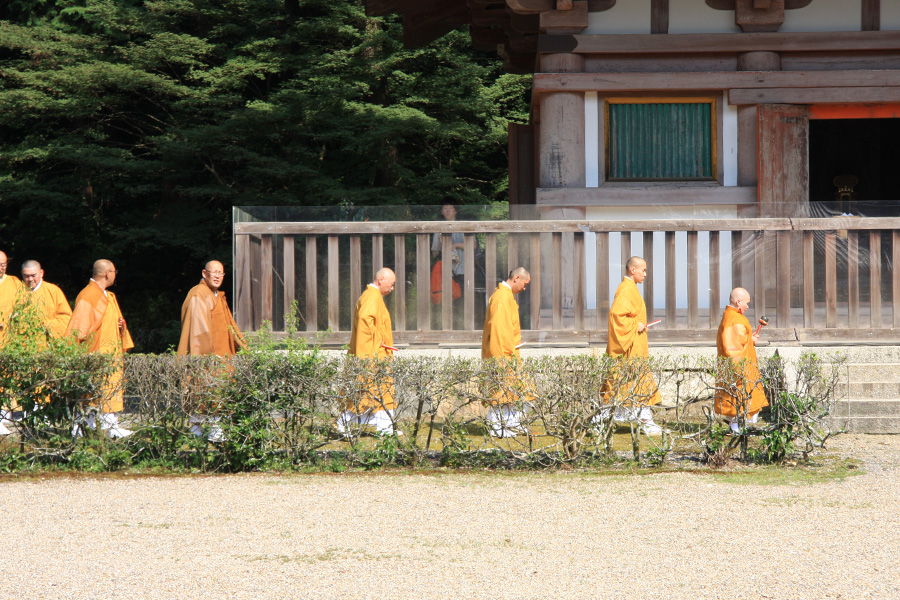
(817, 279)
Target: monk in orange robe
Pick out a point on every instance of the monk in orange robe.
(372, 338)
(48, 298)
(500, 340)
(208, 327)
(10, 287)
(97, 322)
(628, 340)
(739, 391)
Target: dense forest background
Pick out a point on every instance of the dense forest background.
(129, 128)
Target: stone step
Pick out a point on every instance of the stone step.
(874, 372)
(868, 390)
(869, 424)
(867, 408)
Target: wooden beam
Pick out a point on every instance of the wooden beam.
(267, 272)
(638, 194)
(427, 228)
(719, 80)
(729, 43)
(824, 95)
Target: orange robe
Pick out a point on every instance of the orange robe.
(52, 303)
(499, 340)
(627, 310)
(371, 332)
(734, 340)
(95, 323)
(502, 332)
(10, 286)
(207, 326)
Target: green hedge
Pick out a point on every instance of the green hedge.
(277, 409)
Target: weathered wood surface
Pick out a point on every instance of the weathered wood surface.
(722, 80)
(827, 95)
(721, 42)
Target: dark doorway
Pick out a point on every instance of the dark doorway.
(868, 149)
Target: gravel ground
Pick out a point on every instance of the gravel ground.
(497, 536)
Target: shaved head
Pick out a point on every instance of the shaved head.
(636, 269)
(101, 267)
(3, 262)
(634, 261)
(520, 272)
(32, 273)
(519, 278)
(385, 280)
(738, 294)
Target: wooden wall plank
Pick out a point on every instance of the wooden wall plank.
(809, 283)
(312, 282)
(715, 281)
(267, 279)
(853, 279)
(556, 270)
(400, 288)
(290, 276)
(535, 286)
(875, 278)
(783, 160)
(692, 279)
(671, 295)
(602, 242)
(334, 283)
(637, 194)
(423, 282)
(579, 282)
(830, 95)
(830, 279)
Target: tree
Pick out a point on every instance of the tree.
(128, 129)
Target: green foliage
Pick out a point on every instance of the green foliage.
(129, 129)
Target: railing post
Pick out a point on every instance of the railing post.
(312, 281)
(290, 276)
(556, 238)
(578, 284)
(266, 278)
(648, 282)
(602, 280)
(423, 282)
(853, 279)
(671, 298)
(243, 302)
(783, 278)
(334, 306)
(875, 278)
(715, 282)
(400, 287)
(830, 279)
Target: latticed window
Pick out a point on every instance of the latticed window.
(666, 139)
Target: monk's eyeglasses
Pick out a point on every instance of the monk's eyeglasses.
(216, 272)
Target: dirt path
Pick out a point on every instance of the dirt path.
(497, 536)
